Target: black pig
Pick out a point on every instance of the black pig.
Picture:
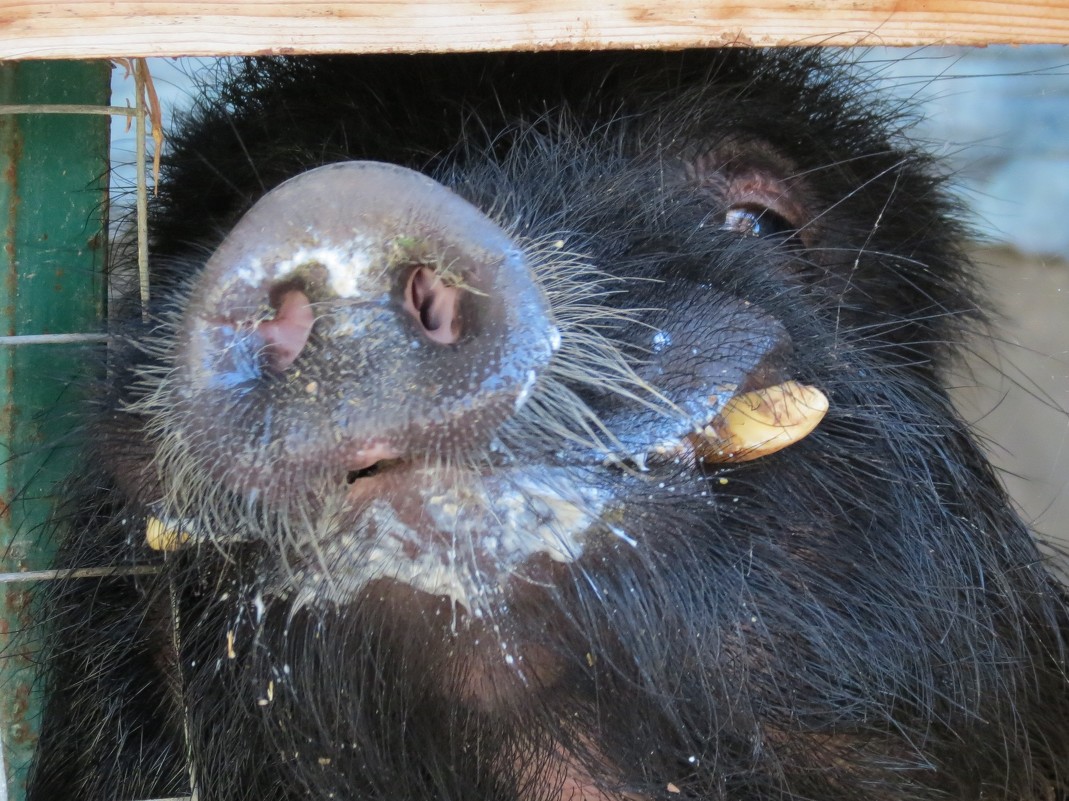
(448, 489)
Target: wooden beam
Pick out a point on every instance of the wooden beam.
(84, 29)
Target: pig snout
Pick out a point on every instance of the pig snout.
(357, 313)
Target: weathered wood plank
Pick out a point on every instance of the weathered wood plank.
(46, 29)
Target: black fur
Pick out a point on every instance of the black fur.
(860, 616)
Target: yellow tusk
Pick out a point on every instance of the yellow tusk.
(761, 422)
(161, 537)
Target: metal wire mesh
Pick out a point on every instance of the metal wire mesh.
(144, 110)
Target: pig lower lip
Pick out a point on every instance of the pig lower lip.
(451, 532)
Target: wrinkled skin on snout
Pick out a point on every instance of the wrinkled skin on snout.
(444, 453)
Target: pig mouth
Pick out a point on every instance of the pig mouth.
(748, 425)
(470, 532)
(373, 469)
(467, 531)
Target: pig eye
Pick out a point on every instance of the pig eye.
(756, 220)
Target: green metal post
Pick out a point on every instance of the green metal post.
(53, 209)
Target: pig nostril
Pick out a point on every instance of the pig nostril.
(434, 305)
(287, 333)
(427, 314)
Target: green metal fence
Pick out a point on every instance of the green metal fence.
(53, 207)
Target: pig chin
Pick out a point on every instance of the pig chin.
(458, 533)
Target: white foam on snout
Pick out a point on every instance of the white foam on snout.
(554, 338)
(525, 390)
(347, 266)
(346, 270)
(469, 540)
(252, 272)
